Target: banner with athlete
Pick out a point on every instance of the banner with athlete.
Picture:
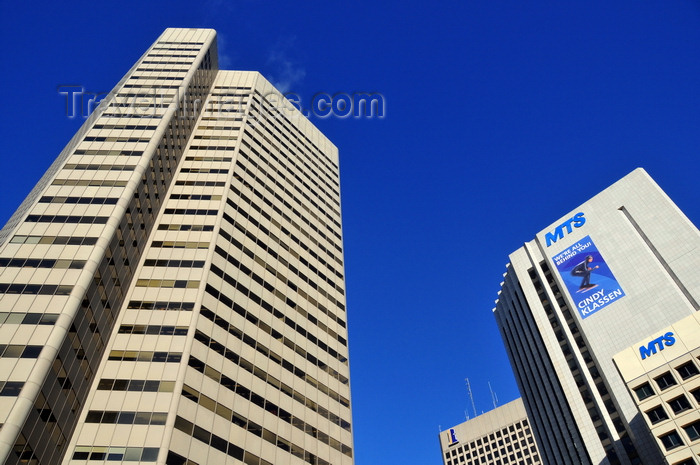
(591, 284)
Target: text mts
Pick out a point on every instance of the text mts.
(576, 221)
(661, 341)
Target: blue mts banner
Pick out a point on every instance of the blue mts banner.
(588, 278)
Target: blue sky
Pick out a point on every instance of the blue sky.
(501, 117)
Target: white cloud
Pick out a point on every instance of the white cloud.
(285, 71)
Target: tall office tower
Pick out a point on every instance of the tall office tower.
(619, 267)
(172, 290)
(499, 437)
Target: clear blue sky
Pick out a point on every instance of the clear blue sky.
(501, 117)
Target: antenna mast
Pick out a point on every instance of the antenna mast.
(471, 396)
(494, 399)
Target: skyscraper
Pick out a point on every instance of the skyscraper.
(172, 290)
(616, 269)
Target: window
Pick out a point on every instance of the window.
(671, 440)
(679, 404)
(685, 462)
(657, 415)
(696, 394)
(665, 381)
(644, 391)
(693, 430)
(687, 370)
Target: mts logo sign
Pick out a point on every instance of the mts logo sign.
(659, 343)
(575, 221)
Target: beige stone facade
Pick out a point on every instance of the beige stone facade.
(172, 290)
(663, 377)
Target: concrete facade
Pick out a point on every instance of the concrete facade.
(561, 340)
(662, 374)
(499, 437)
(172, 290)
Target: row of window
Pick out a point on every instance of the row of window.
(195, 197)
(115, 139)
(67, 219)
(205, 170)
(175, 263)
(165, 62)
(201, 183)
(179, 42)
(135, 385)
(144, 356)
(178, 47)
(42, 263)
(129, 115)
(110, 153)
(185, 227)
(10, 388)
(151, 86)
(53, 240)
(226, 137)
(126, 418)
(157, 76)
(673, 440)
(35, 289)
(180, 245)
(119, 454)
(28, 318)
(160, 305)
(212, 147)
(124, 126)
(19, 351)
(168, 283)
(89, 182)
(678, 405)
(202, 158)
(97, 167)
(79, 200)
(666, 380)
(220, 118)
(190, 211)
(161, 330)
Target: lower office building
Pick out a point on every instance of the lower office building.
(615, 270)
(172, 290)
(661, 372)
(499, 437)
